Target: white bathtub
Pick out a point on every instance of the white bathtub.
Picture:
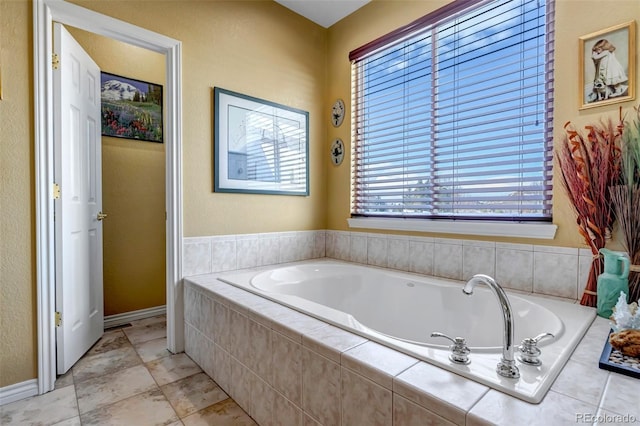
(401, 310)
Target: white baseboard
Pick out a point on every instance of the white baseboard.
(28, 388)
(18, 391)
(127, 317)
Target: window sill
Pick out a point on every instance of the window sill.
(537, 230)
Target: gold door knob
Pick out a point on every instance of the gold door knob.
(102, 215)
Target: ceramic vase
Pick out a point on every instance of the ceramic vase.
(612, 281)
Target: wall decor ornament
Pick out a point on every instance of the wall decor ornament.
(131, 109)
(607, 66)
(337, 113)
(260, 146)
(337, 151)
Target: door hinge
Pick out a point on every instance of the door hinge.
(56, 191)
(55, 61)
(58, 319)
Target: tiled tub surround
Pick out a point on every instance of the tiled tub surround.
(286, 368)
(203, 255)
(400, 310)
(538, 269)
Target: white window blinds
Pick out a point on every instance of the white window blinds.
(453, 117)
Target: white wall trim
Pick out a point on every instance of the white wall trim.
(18, 391)
(544, 231)
(126, 317)
(44, 13)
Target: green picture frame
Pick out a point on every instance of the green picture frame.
(260, 147)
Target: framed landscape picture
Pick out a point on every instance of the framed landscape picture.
(131, 109)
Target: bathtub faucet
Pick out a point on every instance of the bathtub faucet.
(507, 365)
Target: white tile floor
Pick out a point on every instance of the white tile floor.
(129, 378)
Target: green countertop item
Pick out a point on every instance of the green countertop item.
(612, 281)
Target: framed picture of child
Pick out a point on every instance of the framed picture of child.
(607, 66)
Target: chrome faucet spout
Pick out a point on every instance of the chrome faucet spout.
(507, 365)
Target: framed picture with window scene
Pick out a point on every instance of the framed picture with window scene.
(131, 109)
(260, 147)
(607, 66)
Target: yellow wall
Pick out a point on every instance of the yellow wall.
(258, 48)
(579, 19)
(133, 193)
(574, 18)
(18, 356)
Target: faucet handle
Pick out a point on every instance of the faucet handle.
(540, 337)
(459, 349)
(528, 350)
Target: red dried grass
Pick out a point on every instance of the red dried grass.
(589, 166)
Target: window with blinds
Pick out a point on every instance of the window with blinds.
(453, 115)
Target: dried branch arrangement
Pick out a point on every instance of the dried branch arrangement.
(626, 201)
(590, 165)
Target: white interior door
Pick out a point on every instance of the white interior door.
(78, 172)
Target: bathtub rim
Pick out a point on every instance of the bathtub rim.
(300, 302)
(525, 388)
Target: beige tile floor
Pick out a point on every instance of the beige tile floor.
(129, 378)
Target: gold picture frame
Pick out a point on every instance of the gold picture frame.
(607, 66)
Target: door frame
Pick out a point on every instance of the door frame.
(44, 13)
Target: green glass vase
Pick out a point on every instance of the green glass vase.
(612, 281)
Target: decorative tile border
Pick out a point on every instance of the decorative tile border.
(539, 269)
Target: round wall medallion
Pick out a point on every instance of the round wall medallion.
(337, 151)
(337, 113)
